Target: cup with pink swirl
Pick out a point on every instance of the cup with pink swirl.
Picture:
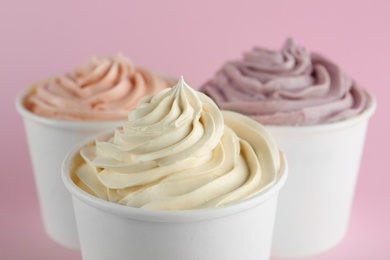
(180, 180)
(59, 112)
(318, 116)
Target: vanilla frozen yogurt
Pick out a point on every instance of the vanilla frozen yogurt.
(178, 151)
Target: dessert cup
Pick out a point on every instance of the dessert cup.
(318, 117)
(49, 140)
(314, 206)
(242, 230)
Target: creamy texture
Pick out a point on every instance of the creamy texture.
(104, 88)
(179, 151)
(287, 87)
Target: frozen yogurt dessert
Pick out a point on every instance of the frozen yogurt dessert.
(178, 151)
(291, 86)
(63, 110)
(318, 116)
(104, 88)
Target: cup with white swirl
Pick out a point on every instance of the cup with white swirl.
(179, 180)
(318, 116)
(63, 110)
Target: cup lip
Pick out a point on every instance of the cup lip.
(171, 216)
(364, 115)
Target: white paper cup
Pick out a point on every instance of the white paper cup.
(49, 140)
(314, 206)
(111, 231)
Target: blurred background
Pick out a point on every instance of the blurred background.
(191, 38)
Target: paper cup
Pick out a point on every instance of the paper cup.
(314, 206)
(49, 140)
(111, 231)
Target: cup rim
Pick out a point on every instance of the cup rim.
(171, 216)
(331, 126)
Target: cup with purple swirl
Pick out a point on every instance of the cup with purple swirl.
(318, 117)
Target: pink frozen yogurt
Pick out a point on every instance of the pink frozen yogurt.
(104, 88)
(291, 86)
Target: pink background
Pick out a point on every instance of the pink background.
(42, 38)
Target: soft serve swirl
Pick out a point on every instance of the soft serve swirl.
(104, 88)
(179, 151)
(287, 87)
